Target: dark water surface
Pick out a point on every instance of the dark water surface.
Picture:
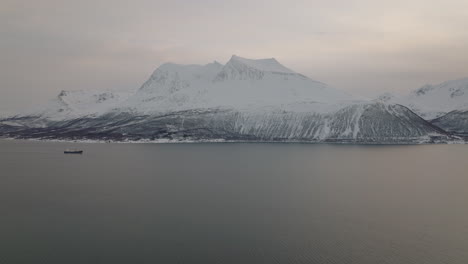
(233, 203)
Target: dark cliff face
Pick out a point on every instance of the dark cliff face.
(361, 123)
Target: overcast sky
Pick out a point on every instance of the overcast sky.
(362, 46)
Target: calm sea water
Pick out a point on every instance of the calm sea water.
(233, 203)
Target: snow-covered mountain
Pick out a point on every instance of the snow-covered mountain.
(444, 105)
(241, 83)
(244, 99)
(67, 105)
(433, 101)
(74, 104)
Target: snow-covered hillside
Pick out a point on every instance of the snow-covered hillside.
(241, 83)
(375, 123)
(74, 104)
(433, 101)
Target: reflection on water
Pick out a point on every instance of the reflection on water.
(233, 203)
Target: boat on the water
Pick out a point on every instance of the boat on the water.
(73, 151)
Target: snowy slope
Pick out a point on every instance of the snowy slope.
(240, 84)
(357, 123)
(433, 101)
(73, 104)
(68, 105)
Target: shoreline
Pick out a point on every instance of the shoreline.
(177, 141)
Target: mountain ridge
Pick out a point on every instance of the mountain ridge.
(243, 100)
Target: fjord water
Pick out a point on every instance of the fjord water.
(233, 203)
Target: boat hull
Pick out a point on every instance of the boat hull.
(73, 152)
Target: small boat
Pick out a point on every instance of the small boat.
(73, 151)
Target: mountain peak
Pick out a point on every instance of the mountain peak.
(238, 68)
(263, 65)
(386, 97)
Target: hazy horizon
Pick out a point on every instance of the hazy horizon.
(363, 47)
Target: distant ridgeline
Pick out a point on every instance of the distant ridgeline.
(246, 100)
